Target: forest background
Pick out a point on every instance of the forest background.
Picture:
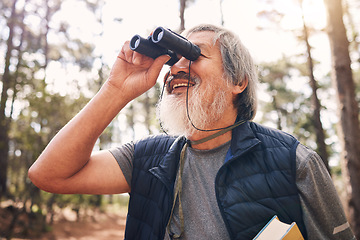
(57, 54)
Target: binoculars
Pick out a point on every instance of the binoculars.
(164, 41)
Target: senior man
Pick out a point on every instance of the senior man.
(216, 174)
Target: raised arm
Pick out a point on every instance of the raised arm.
(68, 164)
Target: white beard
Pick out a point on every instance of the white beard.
(172, 110)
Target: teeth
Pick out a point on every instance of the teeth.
(180, 85)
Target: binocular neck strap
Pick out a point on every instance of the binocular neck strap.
(217, 134)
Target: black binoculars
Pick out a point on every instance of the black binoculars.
(164, 41)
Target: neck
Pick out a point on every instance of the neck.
(224, 136)
(212, 143)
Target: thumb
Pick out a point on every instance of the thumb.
(157, 65)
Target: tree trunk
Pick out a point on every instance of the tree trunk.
(319, 130)
(221, 13)
(147, 112)
(4, 120)
(278, 111)
(17, 80)
(348, 128)
(182, 15)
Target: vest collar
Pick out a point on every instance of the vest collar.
(243, 139)
(166, 170)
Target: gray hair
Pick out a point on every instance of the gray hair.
(238, 66)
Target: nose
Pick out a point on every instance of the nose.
(180, 66)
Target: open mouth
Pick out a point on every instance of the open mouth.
(179, 84)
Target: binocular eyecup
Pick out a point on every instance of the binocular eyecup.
(164, 41)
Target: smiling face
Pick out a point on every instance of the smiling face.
(210, 94)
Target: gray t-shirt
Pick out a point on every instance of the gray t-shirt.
(322, 210)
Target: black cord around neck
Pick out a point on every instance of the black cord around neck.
(161, 96)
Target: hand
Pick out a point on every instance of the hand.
(134, 73)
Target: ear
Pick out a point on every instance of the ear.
(240, 88)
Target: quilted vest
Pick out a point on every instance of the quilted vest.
(257, 183)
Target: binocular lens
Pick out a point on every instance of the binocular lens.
(158, 34)
(137, 42)
(161, 34)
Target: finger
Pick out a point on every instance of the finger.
(156, 67)
(140, 59)
(126, 53)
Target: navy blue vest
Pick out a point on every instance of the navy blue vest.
(257, 183)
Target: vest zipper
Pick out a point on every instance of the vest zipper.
(227, 224)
